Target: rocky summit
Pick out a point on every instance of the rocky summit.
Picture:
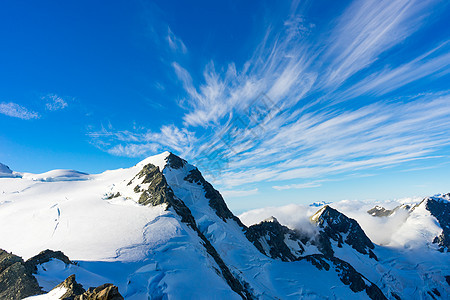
(160, 230)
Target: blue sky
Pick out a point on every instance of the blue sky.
(276, 102)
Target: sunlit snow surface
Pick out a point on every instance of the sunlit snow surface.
(141, 249)
(149, 253)
(53, 295)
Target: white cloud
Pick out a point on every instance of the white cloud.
(238, 193)
(142, 142)
(293, 216)
(54, 102)
(367, 29)
(17, 111)
(175, 43)
(307, 185)
(389, 80)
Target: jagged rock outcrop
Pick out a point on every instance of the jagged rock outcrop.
(379, 211)
(175, 162)
(46, 256)
(347, 274)
(338, 227)
(75, 291)
(270, 238)
(104, 292)
(16, 280)
(159, 192)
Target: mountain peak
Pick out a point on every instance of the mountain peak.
(342, 229)
(5, 169)
(158, 160)
(6, 172)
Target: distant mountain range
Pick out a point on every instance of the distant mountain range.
(159, 230)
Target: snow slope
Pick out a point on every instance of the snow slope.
(183, 243)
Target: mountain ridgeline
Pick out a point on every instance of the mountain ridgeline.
(192, 246)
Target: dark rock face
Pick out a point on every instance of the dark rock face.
(379, 211)
(336, 225)
(158, 191)
(273, 234)
(175, 162)
(347, 274)
(75, 291)
(440, 209)
(104, 292)
(215, 198)
(73, 288)
(16, 280)
(46, 256)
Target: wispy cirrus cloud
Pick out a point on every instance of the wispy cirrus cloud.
(239, 193)
(142, 141)
(17, 111)
(54, 102)
(175, 43)
(306, 185)
(365, 30)
(302, 135)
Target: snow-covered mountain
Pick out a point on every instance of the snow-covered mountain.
(6, 172)
(159, 230)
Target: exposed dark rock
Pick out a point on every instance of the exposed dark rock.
(396, 297)
(317, 260)
(111, 196)
(46, 256)
(175, 162)
(104, 292)
(431, 295)
(347, 274)
(272, 233)
(137, 189)
(323, 243)
(75, 291)
(440, 209)
(159, 192)
(436, 292)
(336, 225)
(215, 198)
(73, 288)
(447, 278)
(379, 211)
(16, 280)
